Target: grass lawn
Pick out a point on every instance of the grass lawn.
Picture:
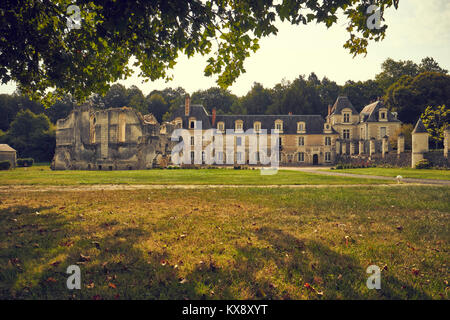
(42, 175)
(404, 172)
(226, 243)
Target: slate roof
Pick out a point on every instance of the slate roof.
(314, 123)
(341, 103)
(370, 113)
(420, 128)
(6, 148)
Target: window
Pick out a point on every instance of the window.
(301, 157)
(238, 141)
(301, 127)
(383, 115)
(280, 141)
(301, 141)
(192, 141)
(178, 123)
(327, 156)
(279, 125)
(238, 156)
(382, 132)
(192, 124)
(346, 133)
(192, 157)
(220, 126)
(257, 126)
(327, 141)
(220, 156)
(346, 117)
(257, 156)
(238, 125)
(203, 157)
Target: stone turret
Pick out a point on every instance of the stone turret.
(400, 144)
(446, 141)
(419, 143)
(384, 146)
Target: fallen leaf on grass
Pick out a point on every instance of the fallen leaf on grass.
(50, 280)
(112, 285)
(90, 285)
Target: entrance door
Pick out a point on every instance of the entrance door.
(315, 159)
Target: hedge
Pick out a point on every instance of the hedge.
(25, 162)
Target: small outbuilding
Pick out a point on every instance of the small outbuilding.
(8, 153)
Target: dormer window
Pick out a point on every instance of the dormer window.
(178, 123)
(220, 126)
(278, 125)
(192, 123)
(301, 127)
(257, 126)
(238, 125)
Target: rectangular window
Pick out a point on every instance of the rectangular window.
(220, 156)
(257, 127)
(346, 133)
(346, 117)
(300, 127)
(238, 141)
(220, 126)
(301, 157)
(327, 156)
(192, 141)
(301, 141)
(238, 156)
(278, 126)
(192, 124)
(327, 141)
(382, 132)
(192, 157)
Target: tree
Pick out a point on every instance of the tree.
(410, 96)
(436, 119)
(216, 97)
(256, 101)
(136, 100)
(116, 97)
(405, 129)
(156, 105)
(393, 70)
(32, 136)
(41, 49)
(428, 64)
(362, 93)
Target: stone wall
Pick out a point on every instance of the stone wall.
(112, 139)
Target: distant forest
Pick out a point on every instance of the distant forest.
(405, 86)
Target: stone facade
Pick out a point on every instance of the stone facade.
(123, 139)
(112, 139)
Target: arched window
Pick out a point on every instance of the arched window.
(238, 125)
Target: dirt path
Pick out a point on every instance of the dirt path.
(118, 187)
(353, 175)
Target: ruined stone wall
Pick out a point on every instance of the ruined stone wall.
(112, 139)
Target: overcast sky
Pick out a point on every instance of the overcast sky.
(419, 28)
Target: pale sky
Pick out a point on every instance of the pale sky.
(419, 28)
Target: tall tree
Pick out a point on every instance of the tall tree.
(410, 96)
(156, 105)
(215, 97)
(436, 119)
(42, 48)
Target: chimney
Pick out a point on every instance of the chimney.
(187, 105)
(329, 109)
(213, 117)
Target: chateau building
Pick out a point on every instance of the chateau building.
(303, 139)
(121, 138)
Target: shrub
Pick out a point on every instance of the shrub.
(5, 165)
(26, 162)
(423, 164)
